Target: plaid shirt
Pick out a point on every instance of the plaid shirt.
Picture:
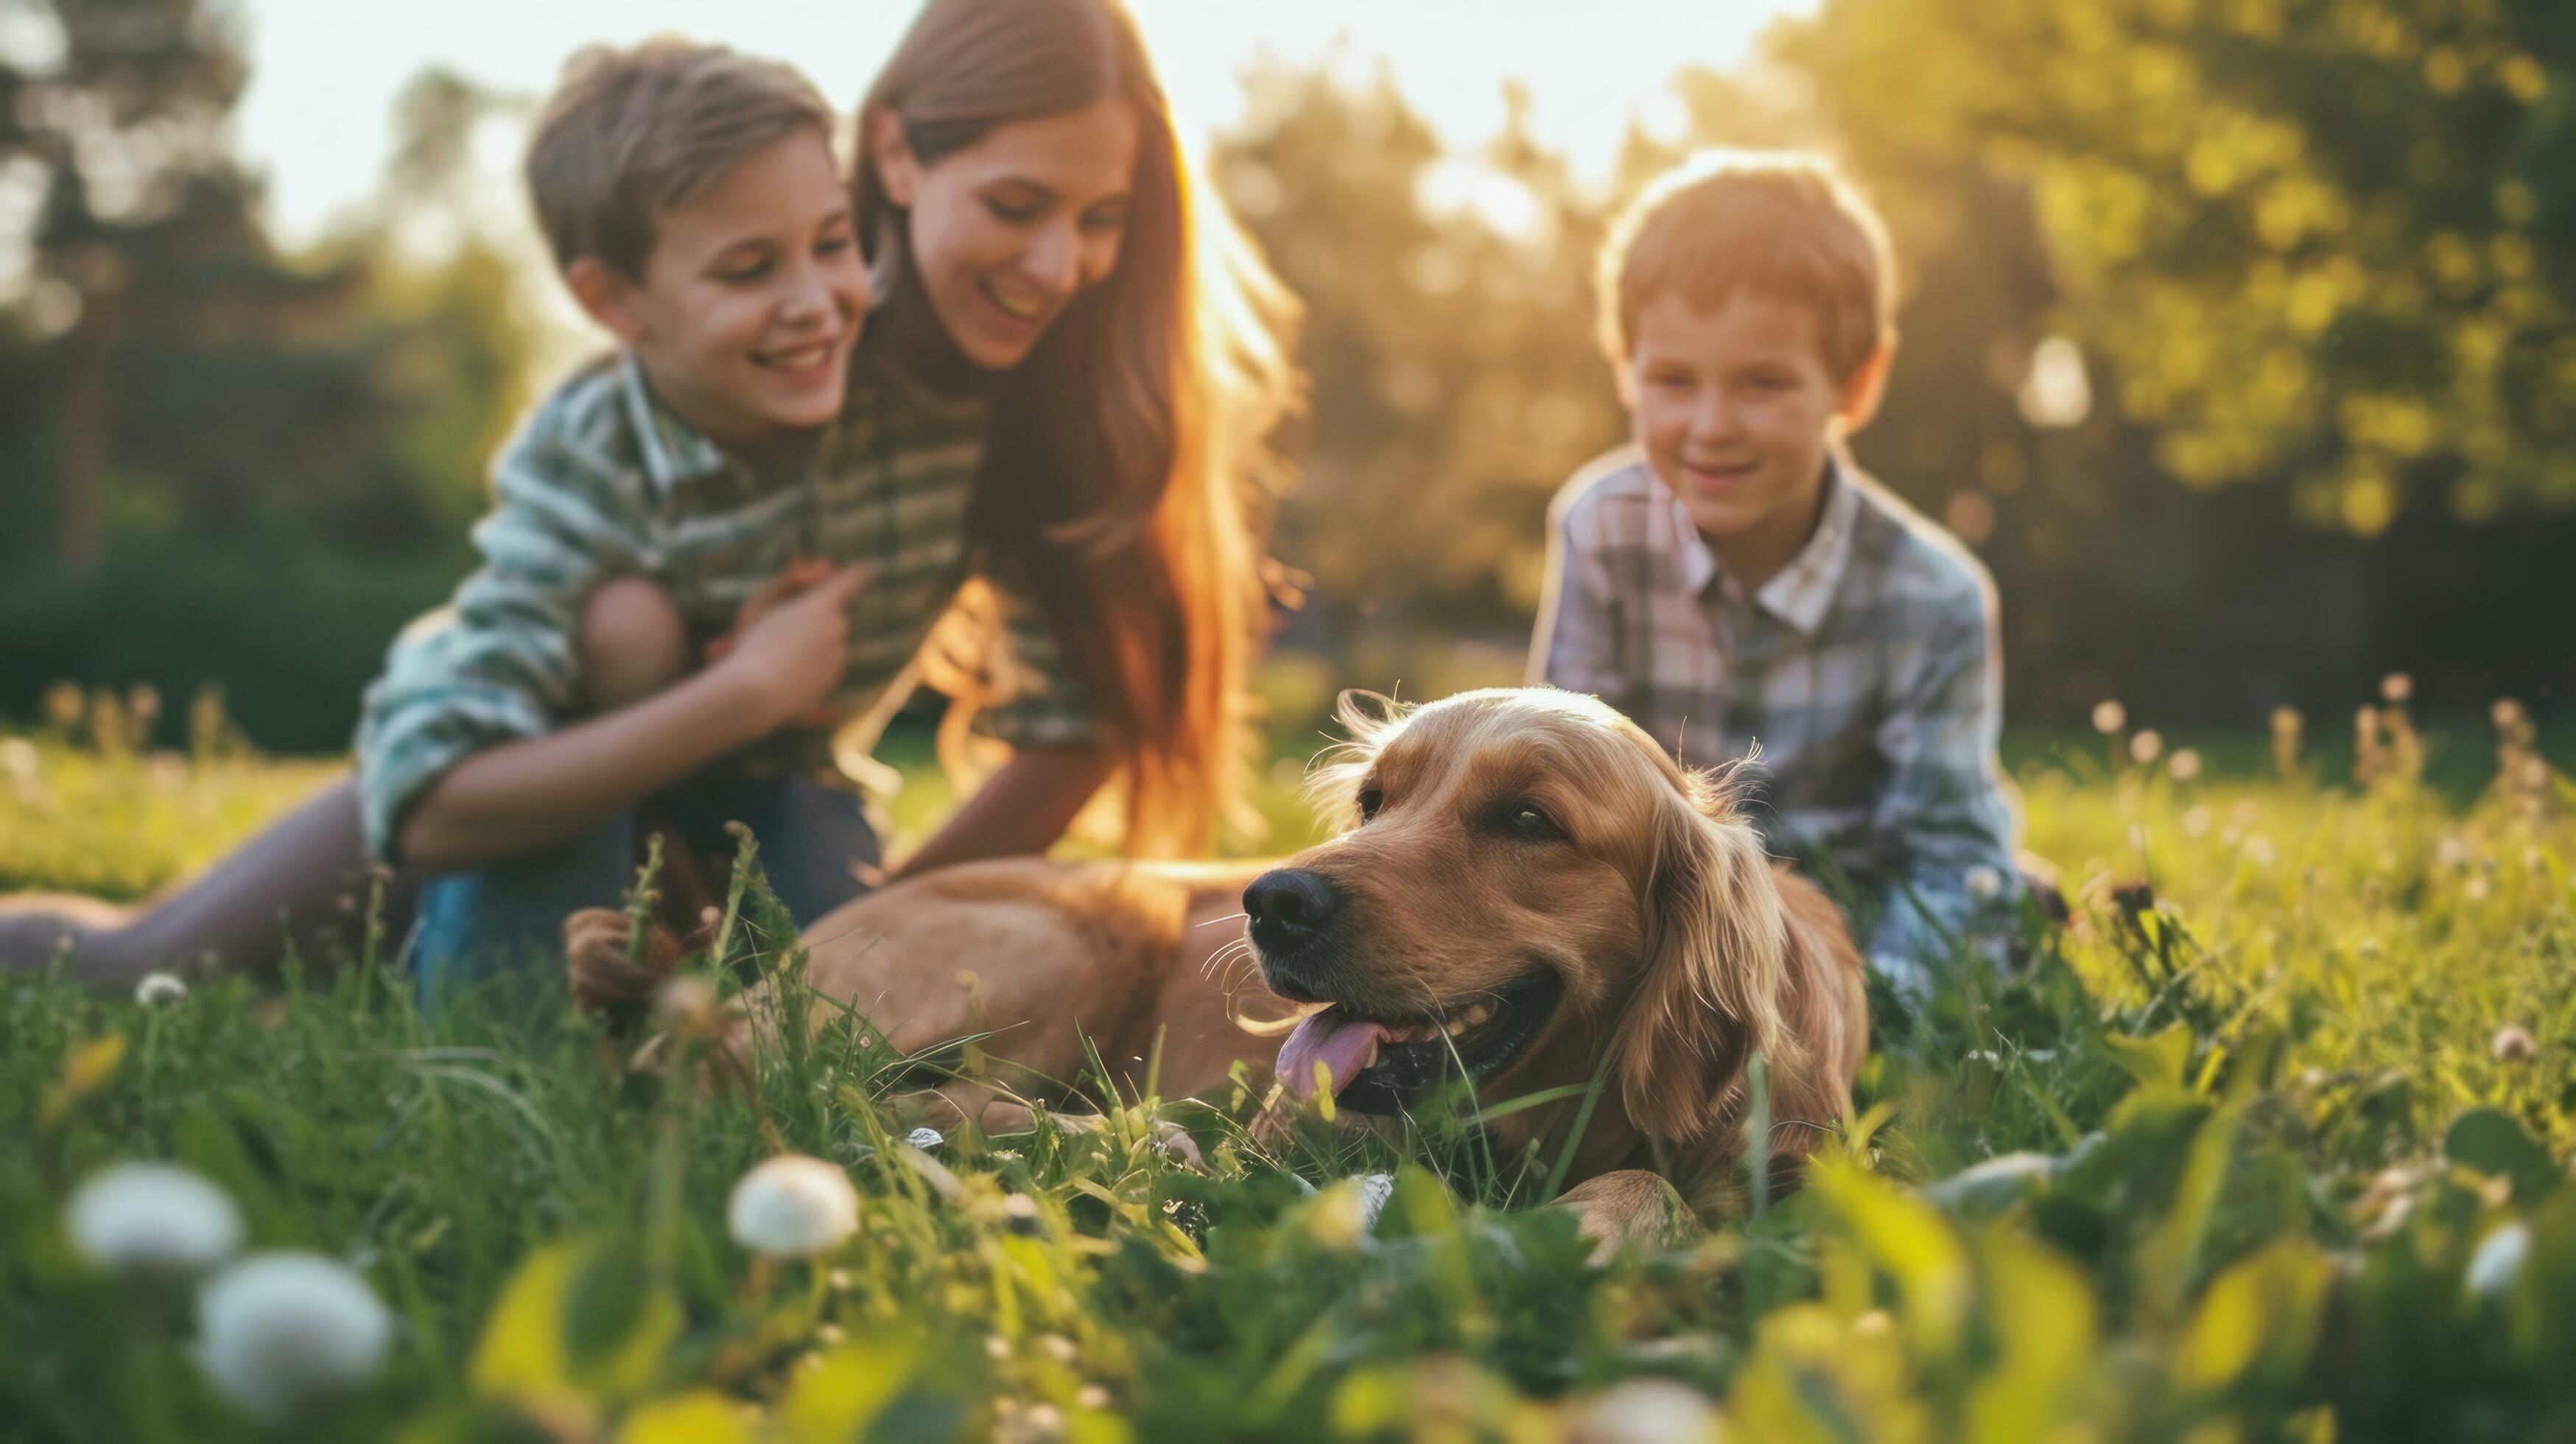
(1867, 672)
(604, 481)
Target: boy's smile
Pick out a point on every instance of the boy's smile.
(751, 298)
(1735, 409)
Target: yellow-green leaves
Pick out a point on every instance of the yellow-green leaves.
(2261, 1313)
(575, 1333)
(2155, 1061)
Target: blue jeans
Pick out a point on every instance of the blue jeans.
(477, 924)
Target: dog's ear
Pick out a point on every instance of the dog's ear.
(1710, 995)
(1368, 718)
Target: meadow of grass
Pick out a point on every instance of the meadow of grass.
(2267, 1143)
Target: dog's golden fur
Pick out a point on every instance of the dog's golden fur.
(1682, 950)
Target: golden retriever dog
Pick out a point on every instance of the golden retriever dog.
(1529, 891)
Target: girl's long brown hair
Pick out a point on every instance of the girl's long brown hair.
(1126, 449)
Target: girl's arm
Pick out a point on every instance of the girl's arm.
(1024, 808)
(523, 797)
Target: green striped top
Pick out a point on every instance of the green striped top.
(603, 481)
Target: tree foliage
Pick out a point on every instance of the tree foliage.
(2318, 240)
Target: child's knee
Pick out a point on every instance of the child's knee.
(633, 643)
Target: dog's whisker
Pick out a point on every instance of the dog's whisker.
(1228, 918)
(1227, 955)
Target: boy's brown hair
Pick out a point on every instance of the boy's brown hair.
(630, 134)
(1779, 224)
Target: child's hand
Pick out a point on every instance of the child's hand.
(794, 643)
(798, 576)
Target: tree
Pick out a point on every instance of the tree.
(113, 113)
(2305, 234)
(230, 462)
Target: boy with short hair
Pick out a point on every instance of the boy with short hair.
(1732, 581)
(685, 497)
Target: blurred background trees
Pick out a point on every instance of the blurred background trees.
(224, 462)
(2235, 339)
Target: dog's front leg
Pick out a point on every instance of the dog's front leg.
(1630, 1208)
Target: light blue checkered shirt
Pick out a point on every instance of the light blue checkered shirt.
(604, 481)
(1867, 672)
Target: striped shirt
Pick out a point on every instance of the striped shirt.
(1867, 672)
(604, 481)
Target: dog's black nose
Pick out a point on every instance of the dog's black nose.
(1291, 902)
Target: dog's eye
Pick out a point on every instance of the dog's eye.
(1370, 800)
(1527, 820)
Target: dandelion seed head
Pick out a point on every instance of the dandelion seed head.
(280, 1330)
(2396, 688)
(2195, 822)
(2184, 765)
(792, 1206)
(1642, 1411)
(161, 990)
(2144, 748)
(152, 1217)
(2109, 717)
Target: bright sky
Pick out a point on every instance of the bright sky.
(324, 73)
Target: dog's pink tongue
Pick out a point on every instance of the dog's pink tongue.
(1332, 1037)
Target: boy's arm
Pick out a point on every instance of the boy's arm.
(1943, 815)
(519, 797)
(1576, 644)
(503, 667)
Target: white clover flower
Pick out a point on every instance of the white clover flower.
(2498, 1259)
(1645, 1411)
(279, 1330)
(1984, 882)
(2109, 717)
(925, 1138)
(792, 1206)
(161, 990)
(152, 1216)
(2513, 1043)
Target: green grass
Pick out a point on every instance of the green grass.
(2269, 1123)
